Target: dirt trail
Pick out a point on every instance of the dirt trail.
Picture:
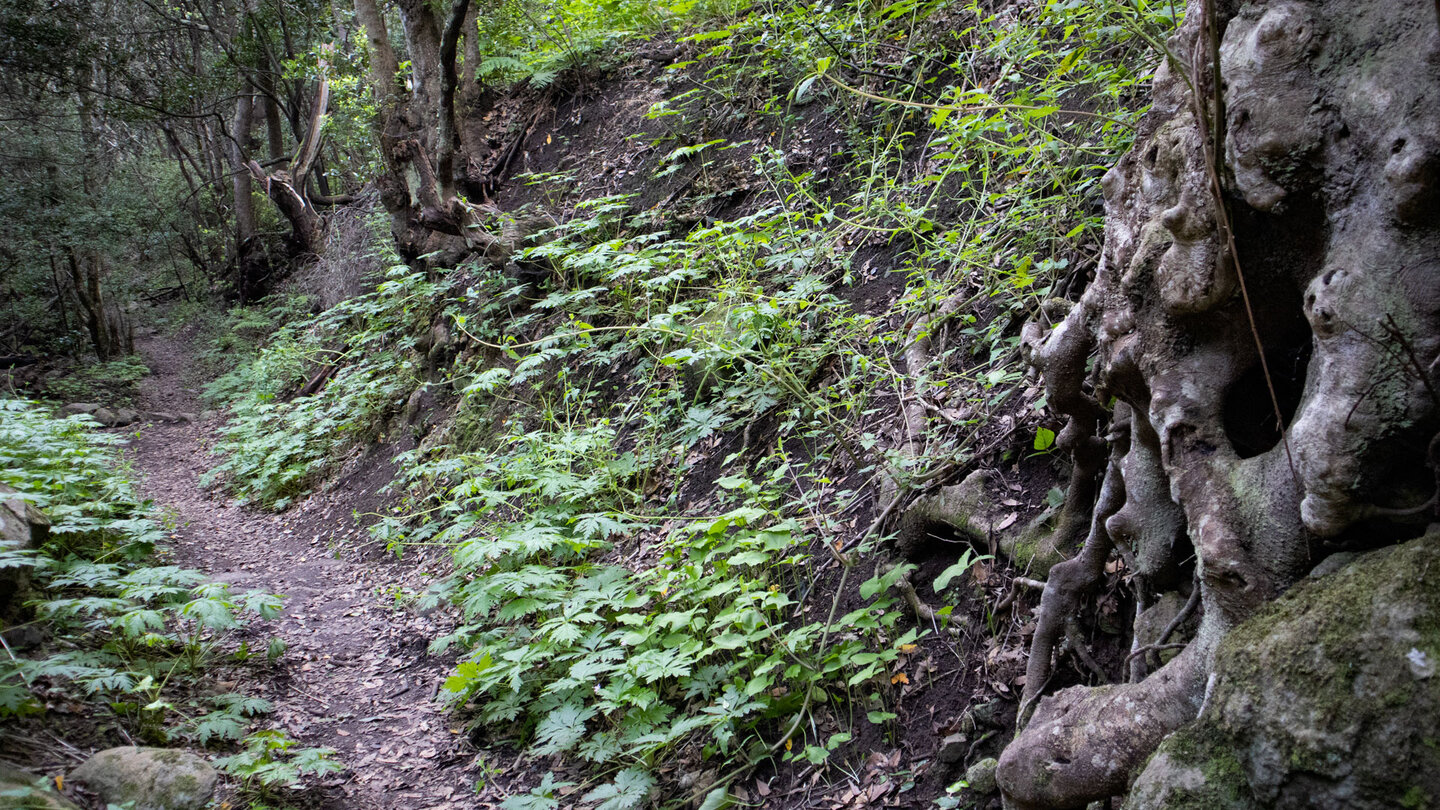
(355, 677)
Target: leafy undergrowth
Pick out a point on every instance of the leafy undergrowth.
(277, 448)
(660, 467)
(97, 628)
(113, 383)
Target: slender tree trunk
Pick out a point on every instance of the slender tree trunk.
(383, 65)
(448, 136)
(274, 133)
(85, 280)
(243, 203)
(60, 307)
(468, 87)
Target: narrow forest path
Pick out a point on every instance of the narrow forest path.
(355, 676)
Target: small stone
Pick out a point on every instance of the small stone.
(953, 748)
(79, 407)
(152, 778)
(104, 416)
(162, 416)
(22, 526)
(979, 716)
(126, 416)
(981, 775)
(188, 417)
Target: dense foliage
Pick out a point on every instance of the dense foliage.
(625, 600)
(123, 630)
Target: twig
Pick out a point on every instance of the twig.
(78, 755)
(1393, 329)
(1184, 614)
(1149, 648)
(1180, 618)
(874, 74)
(922, 611)
(1027, 707)
(1077, 646)
(308, 695)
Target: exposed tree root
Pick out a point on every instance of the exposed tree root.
(921, 610)
(1083, 743)
(1257, 427)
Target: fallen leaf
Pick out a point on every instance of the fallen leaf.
(899, 677)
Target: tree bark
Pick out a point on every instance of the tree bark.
(448, 137)
(274, 131)
(245, 259)
(1274, 207)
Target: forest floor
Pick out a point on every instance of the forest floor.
(355, 676)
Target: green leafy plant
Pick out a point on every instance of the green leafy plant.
(275, 448)
(270, 765)
(113, 383)
(126, 629)
(635, 535)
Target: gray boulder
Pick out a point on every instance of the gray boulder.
(22, 790)
(152, 778)
(22, 526)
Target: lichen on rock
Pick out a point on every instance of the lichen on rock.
(1322, 699)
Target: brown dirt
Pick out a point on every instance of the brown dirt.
(356, 676)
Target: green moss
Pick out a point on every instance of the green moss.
(1211, 753)
(1319, 677)
(185, 785)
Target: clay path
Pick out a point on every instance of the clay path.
(355, 677)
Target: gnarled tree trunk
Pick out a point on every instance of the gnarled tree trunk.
(420, 144)
(1267, 318)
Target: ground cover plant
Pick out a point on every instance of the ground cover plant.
(841, 404)
(105, 623)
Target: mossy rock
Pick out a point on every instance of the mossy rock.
(22, 790)
(152, 778)
(1329, 697)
